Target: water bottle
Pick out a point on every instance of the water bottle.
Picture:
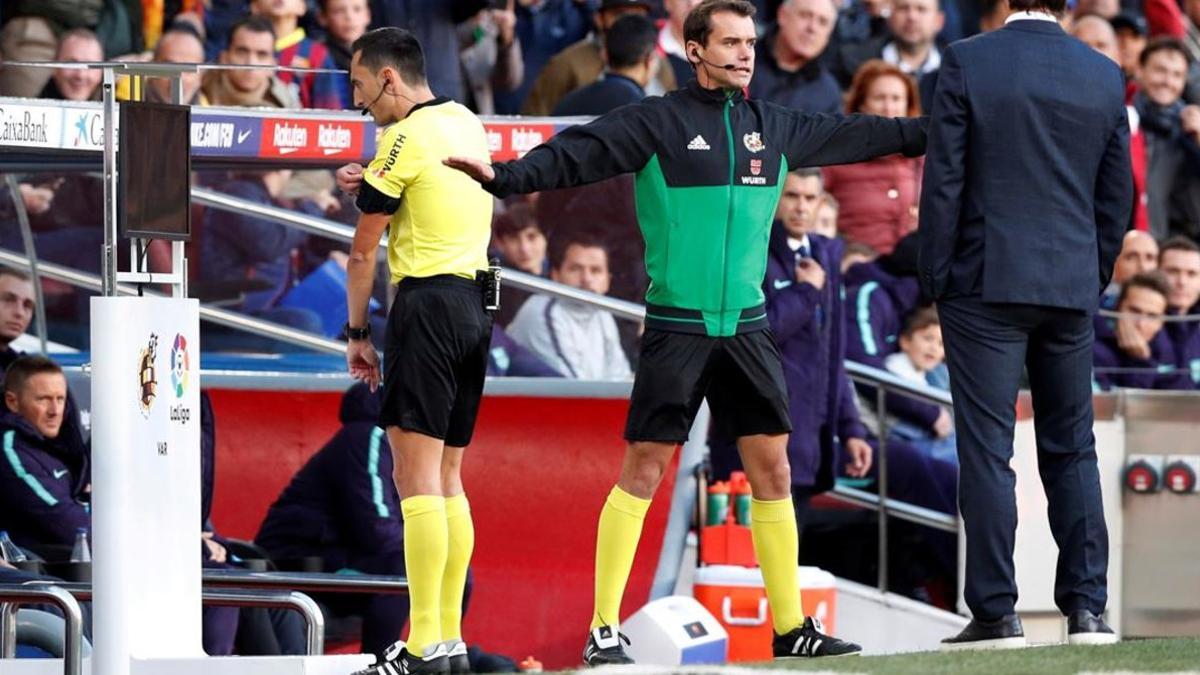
(718, 503)
(10, 552)
(81, 551)
(739, 488)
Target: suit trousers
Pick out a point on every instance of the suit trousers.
(986, 347)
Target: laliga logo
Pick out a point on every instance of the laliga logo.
(180, 363)
(146, 375)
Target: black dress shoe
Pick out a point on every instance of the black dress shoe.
(1003, 633)
(1085, 628)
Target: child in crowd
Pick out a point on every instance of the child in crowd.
(825, 222)
(344, 22)
(294, 49)
(920, 357)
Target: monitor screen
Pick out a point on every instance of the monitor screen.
(154, 161)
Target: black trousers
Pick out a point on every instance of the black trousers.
(986, 347)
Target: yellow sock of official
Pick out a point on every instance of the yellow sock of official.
(773, 527)
(425, 551)
(454, 580)
(617, 539)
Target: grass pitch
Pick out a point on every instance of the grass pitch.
(1134, 656)
(1179, 655)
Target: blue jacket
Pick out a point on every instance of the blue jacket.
(343, 498)
(506, 358)
(1029, 185)
(609, 92)
(811, 89)
(71, 432)
(809, 328)
(877, 303)
(238, 246)
(1185, 339)
(42, 481)
(1157, 372)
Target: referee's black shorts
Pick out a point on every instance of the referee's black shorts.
(741, 376)
(435, 357)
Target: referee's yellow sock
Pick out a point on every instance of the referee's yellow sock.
(462, 544)
(617, 539)
(425, 551)
(773, 527)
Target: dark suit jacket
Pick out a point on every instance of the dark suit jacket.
(1028, 186)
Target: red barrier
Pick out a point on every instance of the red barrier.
(537, 474)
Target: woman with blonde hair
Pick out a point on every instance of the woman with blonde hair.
(878, 198)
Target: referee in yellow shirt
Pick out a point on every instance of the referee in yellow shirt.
(438, 330)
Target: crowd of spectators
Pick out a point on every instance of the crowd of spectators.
(567, 57)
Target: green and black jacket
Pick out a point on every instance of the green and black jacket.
(710, 167)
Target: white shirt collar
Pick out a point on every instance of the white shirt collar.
(797, 244)
(1030, 16)
(933, 60)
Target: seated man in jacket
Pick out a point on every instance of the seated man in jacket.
(579, 341)
(342, 507)
(239, 247)
(1135, 351)
(44, 485)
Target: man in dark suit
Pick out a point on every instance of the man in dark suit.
(1027, 194)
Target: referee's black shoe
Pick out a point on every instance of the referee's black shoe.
(456, 651)
(398, 661)
(810, 641)
(604, 648)
(1003, 633)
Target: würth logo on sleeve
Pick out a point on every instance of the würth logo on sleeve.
(393, 154)
(698, 143)
(756, 166)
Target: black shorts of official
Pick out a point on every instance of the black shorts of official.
(741, 376)
(435, 357)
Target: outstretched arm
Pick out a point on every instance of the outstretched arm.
(620, 142)
(824, 139)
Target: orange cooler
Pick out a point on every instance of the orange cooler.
(736, 597)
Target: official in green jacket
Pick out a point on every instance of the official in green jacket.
(709, 166)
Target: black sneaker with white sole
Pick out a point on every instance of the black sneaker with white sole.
(1085, 628)
(398, 661)
(1003, 633)
(456, 652)
(604, 648)
(810, 641)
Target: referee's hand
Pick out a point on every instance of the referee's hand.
(363, 362)
(349, 177)
(482, 172)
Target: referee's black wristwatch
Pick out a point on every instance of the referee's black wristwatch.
(357, 333)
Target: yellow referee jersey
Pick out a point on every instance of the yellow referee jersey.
(444, 221)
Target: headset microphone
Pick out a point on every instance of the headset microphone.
(727, 66)
(367, 108)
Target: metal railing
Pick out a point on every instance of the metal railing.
(885, 383)
(312, 582)
(334, 230)
(14, 595)
(211, 314)
(305, 606)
